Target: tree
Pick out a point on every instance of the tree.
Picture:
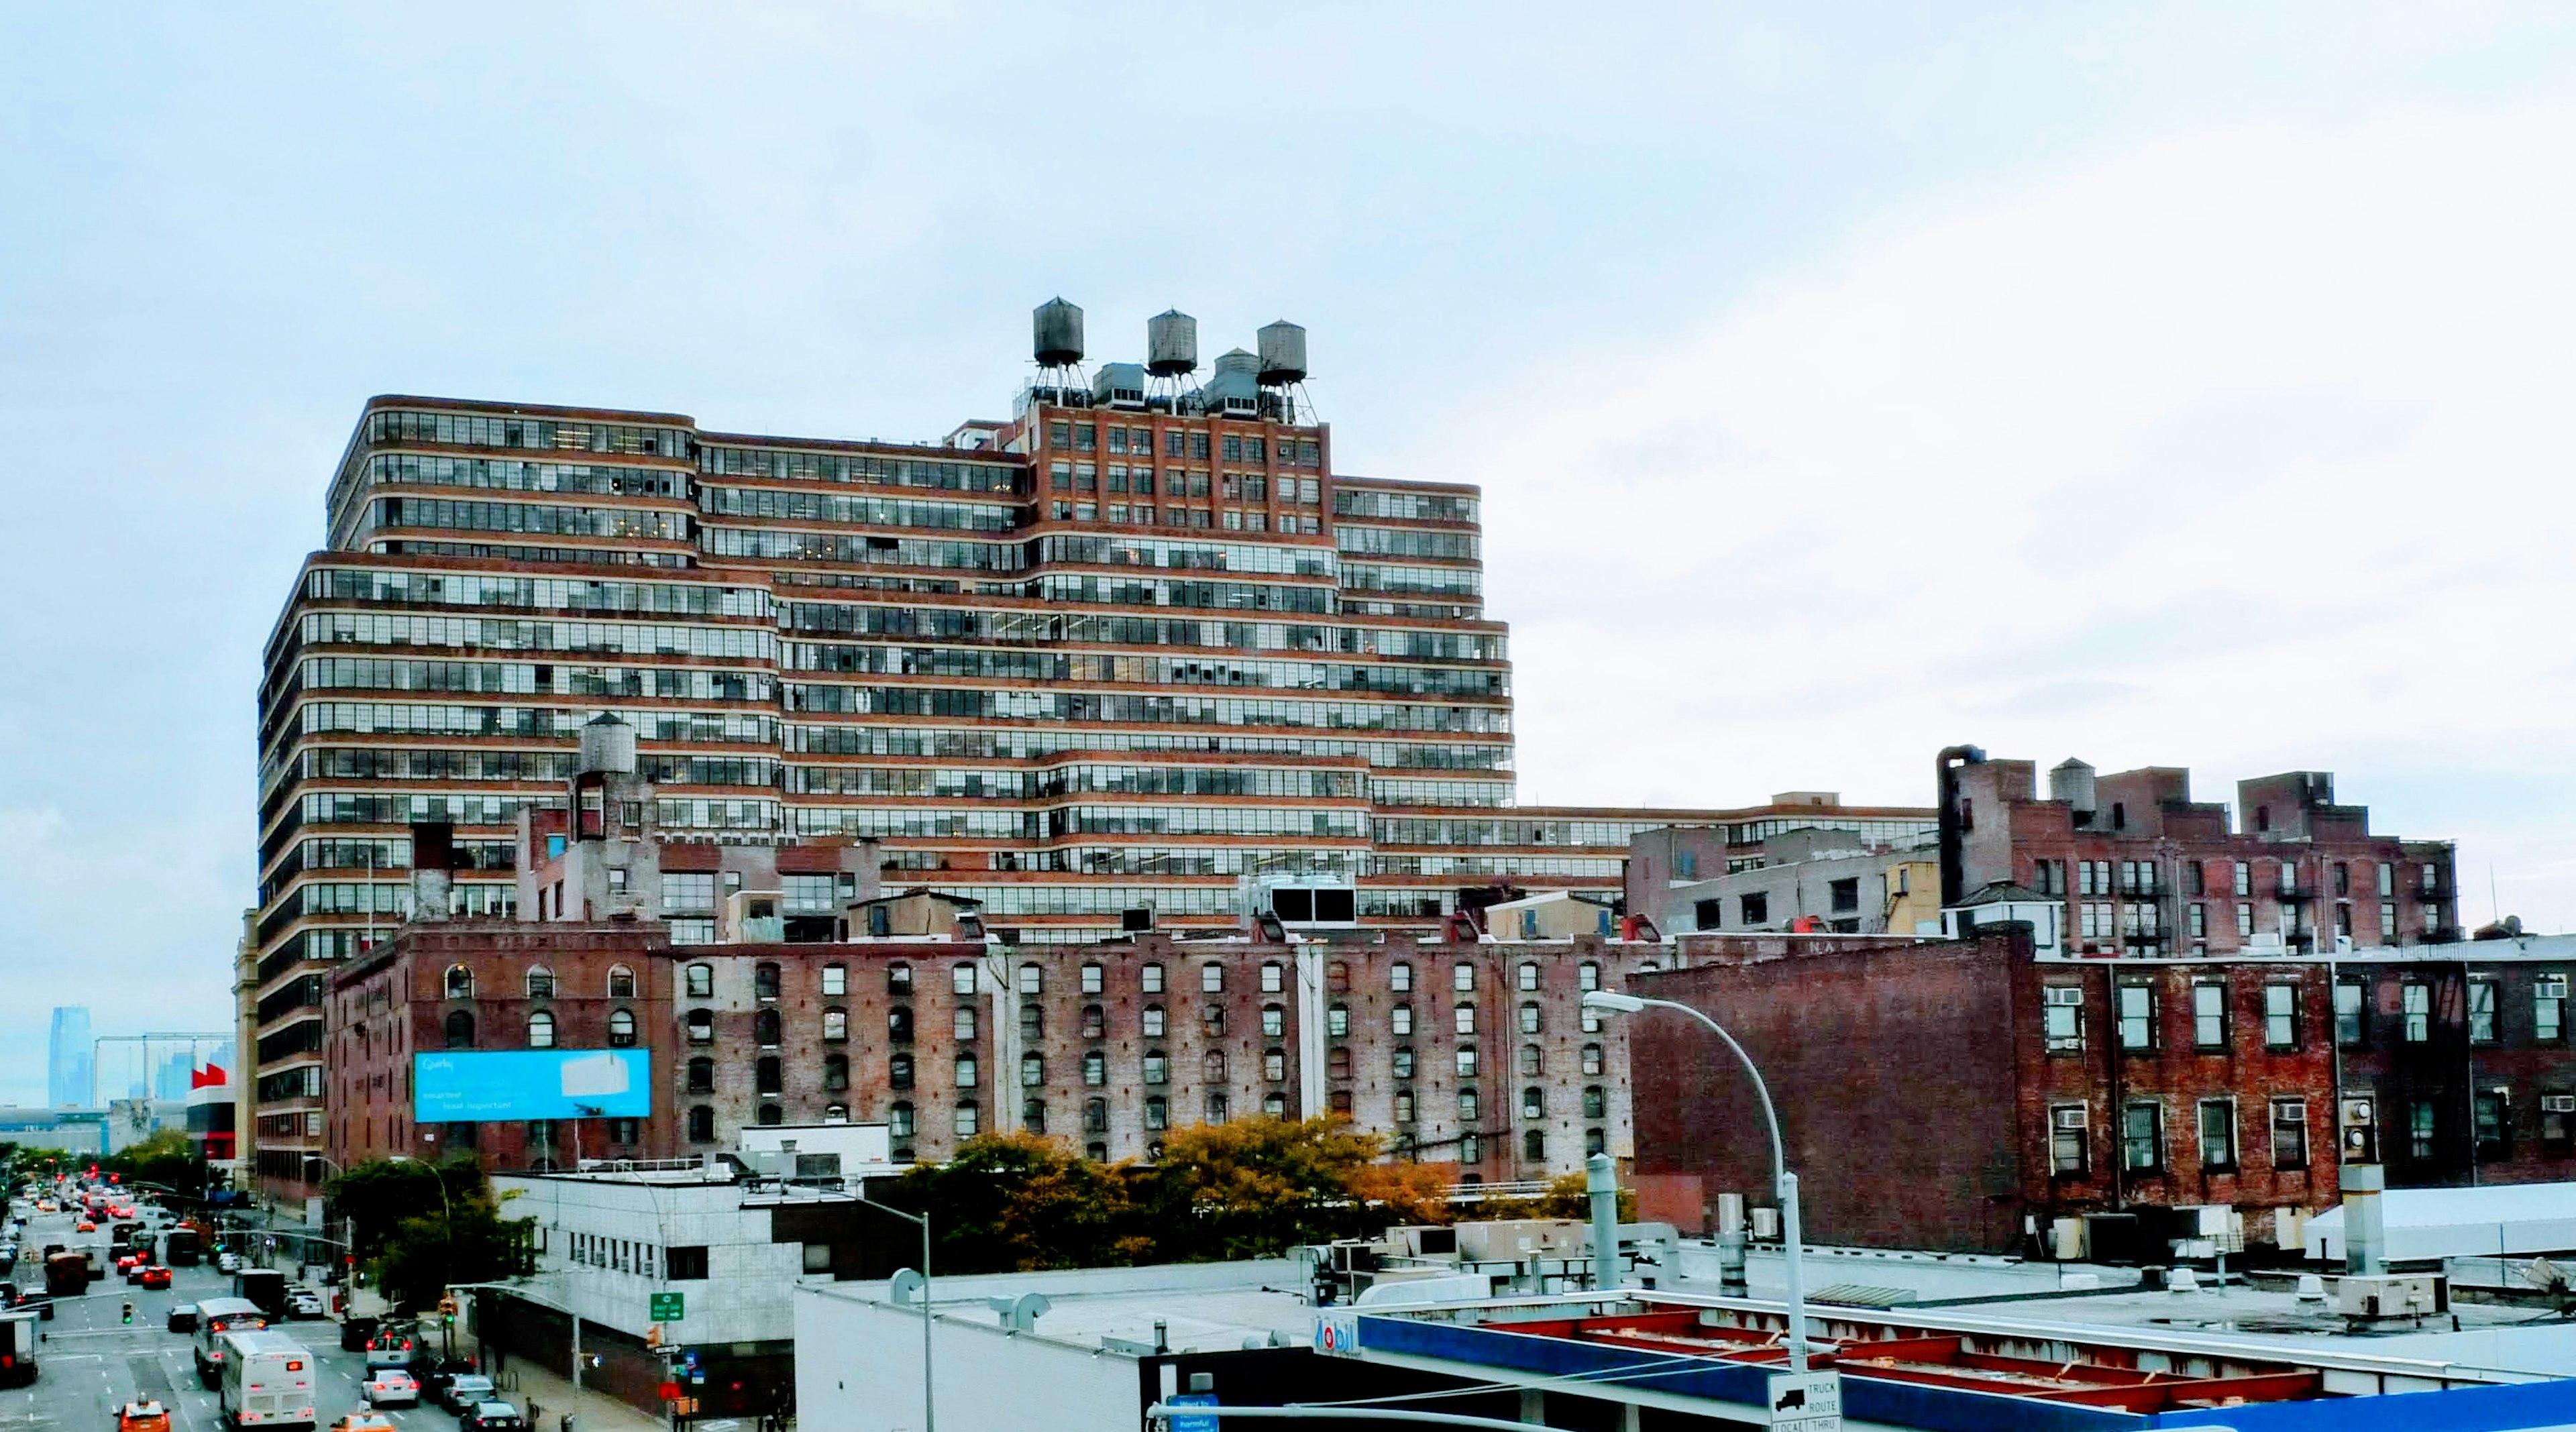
(1256, 1187)
(378, 1195)
(1017, 1201)
(168, 1159)
(421, 1257)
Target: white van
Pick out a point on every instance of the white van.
(268, 1381)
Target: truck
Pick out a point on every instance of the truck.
(263, 1286)
(18, 1337)
(267, 1381)
(67, 1273)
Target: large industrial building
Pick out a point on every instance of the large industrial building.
(1140, 647)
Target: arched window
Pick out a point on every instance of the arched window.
(768, 1074)
(1533, 1103)
(1150, 977)
(1400, 1064)
(966, 1120)
(1212, 978)
(1218, 1109)
(1153, 1021)
(1400, 1019)
(961, 979)
(1462, 977)
(965, 1071)
(1274, 1064)
(1337, 1063)
(1095, 1069)
(1032, 1021)
(1466, 1057)
(700, 981)
(1095, 1022)
(1533, 1061)
(961, 1023)
(460, 1030)
(460, 982)
(1274, 1021)
(1032, 1070)
(899, 1025)
(1212, 1018)
(1596, 1103)
(836, 1025)
(1404, 1107)
(1032, 978)
(1274, 978)
(621, 1029)
(1275, 1105)
(1337, 977)
(1468, 1107)
(701, 1025)
(1337, 1020)
(899, 1072)
(764, 1028)
(702, 1124)
(836, 1113)
(621, 982)
(898, 978)
(1212, 1066)
(1157, 1115)
(1399, 977)
(1158, 1067)
(899, 1121)
(836, 981)
(702, 1075)
(541, 982)
(764, 980)
(1528, 974)
(1530, 1017)
(1096, 1152)
(1592, 1061)
(1464, 1017)
(1534, 1145)
(1587, 975)
(1339, 1101)
(771, 1116)
(1595, 1142)
(541, 1030)
(1033, 1115)
(836, 1072)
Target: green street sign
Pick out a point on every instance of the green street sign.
(667, 1307)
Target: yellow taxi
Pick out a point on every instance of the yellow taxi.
(144, 1416)
(364, 1422)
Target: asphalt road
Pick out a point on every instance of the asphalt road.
(91, 1363)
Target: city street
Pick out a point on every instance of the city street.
(90, 1363)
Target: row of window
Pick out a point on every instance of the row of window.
(2138, 1026)
(2229, 877)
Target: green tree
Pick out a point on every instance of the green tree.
(1256, 1188)
(420, 1257)
(1009, 1202)
(378, 1195)
(168, 1159)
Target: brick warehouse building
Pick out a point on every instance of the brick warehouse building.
(1135, 645)
(1477, 1054)
(2126, 1085)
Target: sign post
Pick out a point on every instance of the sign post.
(668, 1307)
(1191, 1421)
(1806, 1402)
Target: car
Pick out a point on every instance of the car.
(364, 1422)
(183, 1317)
(304, 1304)
(465, 1390)
(391, 1387)
(491, 1416)
(127, 1264)
(85, 1226)
(396, 1347)
(228, 1263)
(143, 1416)
(152, 1275)
(354, 1333)
(435, 1373)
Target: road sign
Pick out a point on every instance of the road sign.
(667, 1307)
(1192, 1421)
(1806, 1402)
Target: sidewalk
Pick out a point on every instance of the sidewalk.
(552, 1393)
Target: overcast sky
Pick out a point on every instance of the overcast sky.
(2163, 385)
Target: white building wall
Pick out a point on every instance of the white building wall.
(743, 1298)
(858, 1369)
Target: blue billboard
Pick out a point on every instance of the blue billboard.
(484, 1086)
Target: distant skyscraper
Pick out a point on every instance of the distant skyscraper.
(67, 1067)
(171, 1082)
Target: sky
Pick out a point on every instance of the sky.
(2173, 385)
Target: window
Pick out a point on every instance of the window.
(621, 982)
(899, 1025)
(2142, 1138)
(1157, 1112)
(1152, 977)
(2482, 1012)
(836, 981)
(899, 1072)
(2217, 1134)
(1401, 1064)
(1211, 979)
(2069, 1139)
(1217, 1108)
(1032, 979)
(961, 1022)
(899, 1121)
(765, 1029)
(460, 982)
(966, 1120)
(1399, 977)
(1534, 1145)
(1274, 1020)
(1526, 977)
(1094, 978)
(899, 979)
(699, 981)
(1462, 978)
(1587, 975)
(1464, 1017)
(1337, 1021)
(1533, 1061)
(2492, 1112)
(2244, 920)
(684, 1264)
(1471, 1149)
(2209, 1015)
(621, 1029)
(1466, 1061)
(1212, 1066)
(1753, 909)
(702, 1075)
(2243, 874)
(2415, 1003)
(1400, 1019)
(2348, 1005)
(2062, 1019)
(836, 1026)
(2137, 1016)
(1592, 1063)
(2281, 1016)
(1274, 1063)
(2557, 1122)
(1095, 1022)
(961, 979)
(1533, 1103)
(1095, 1116)
(1212, 1019)
(1530, 1017)
(2198, 917)
(1844, 895)
(541, 1030)
(1032, 1070)
(460, 1030)
(2289, 1133)
(2549, 1008)
(2420, 1115)
(768, 1075)
(1153, 1021)
(1032, 1022)
(1467, 1106)
(1095, 1069)
(702, 1124)
(541, 982)
(1404, 1106)
(836, 1072)
(764, 980)
(1158, 1067)
(965, 1071)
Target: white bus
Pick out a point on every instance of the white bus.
(268, 1381)
(216, 1317)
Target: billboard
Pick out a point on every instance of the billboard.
(469, 1086)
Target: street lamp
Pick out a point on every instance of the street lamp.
(929, 1419)
(1786, 1183)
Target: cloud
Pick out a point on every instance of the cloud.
(2243, 449)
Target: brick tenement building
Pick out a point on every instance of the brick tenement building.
(2456, 1061)
(2143, 869)
(1475, 1054)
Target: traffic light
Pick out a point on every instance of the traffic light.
(129, 1312)
(653, 1335)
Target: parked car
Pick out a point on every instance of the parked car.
(183, 1317)
(304, 1303)
(491, 1416)
(354, 1333)
(152, 1275)
(467, 1390)
(436, 1373)
(392, 1387)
